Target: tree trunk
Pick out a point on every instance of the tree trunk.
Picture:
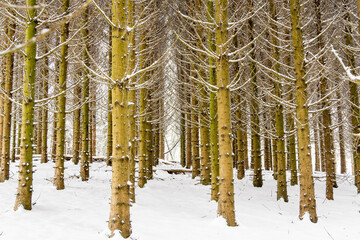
(226, 204)
(60, 135)
(25, 188)
(6, 128)
(132, 101)
(307, 193)
(120, 194)
(13, 148)
(109, 120)
(195, 133)
(53, 147)
(214, 141)
(326, 115)
(44, 132)
(341, 137)
(188, 138)
(317, 149)
(85, 153)
(255, 121)
(143, 121)
(76, 127)
(354, 95)
(279, 109)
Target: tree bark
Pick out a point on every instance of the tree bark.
(307, 193)
(25, 188)
(44, 132)
(214, 141)
(60, 135)
(120, 194)
(255, 121)
(132, 100)
(6, 128)
(85, 138)
(143, 121)
(76, 127)
(226, 204)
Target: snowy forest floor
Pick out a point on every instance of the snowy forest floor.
(173, 207)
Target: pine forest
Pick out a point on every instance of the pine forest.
(179, 119)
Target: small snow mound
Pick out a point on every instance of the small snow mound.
(219, 221)
(106, 234)
(306, 219)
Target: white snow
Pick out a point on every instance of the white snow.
(173, 207)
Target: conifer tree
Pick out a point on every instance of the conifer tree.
(120, 205)
(307, 194)
(25, 187)
(61, 101)
(226, 188)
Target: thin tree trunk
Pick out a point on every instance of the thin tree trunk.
(182, 140)
(109, 122)
(132, 100)
(76, 127)
(13, 149)
(188, 140)
(279, 109)
(143, 121)
(53, 147)
(341, 136)
(274, 157)
(322, 147)
(85, 154)
(60, 135)
(90, 129)
(44, 132)
(267, 153)
(326, 115)
(195, 134)
(93, 125)
(255, 121)
(317, 150)
(240, 146)
(6, 128)
(214, 141)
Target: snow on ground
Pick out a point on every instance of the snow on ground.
(173, 207)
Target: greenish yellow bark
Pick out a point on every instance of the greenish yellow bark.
(143, 121)
(120, 193)
(61, 101)
(354, 95)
